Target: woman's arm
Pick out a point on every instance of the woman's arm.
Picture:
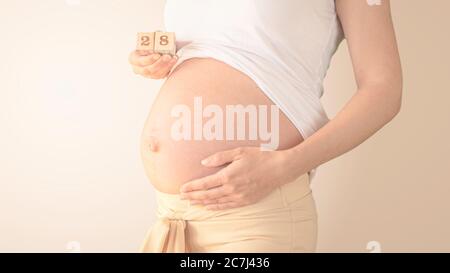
(371, 40)
(252, 174)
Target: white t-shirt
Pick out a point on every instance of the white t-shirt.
(285, 46)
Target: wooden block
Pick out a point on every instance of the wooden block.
(165, 43)
(146, 41)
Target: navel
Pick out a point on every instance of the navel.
(153, 144)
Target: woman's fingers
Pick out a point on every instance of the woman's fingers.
(222, 158)
(169, 65)
(140, 71)
(137, 58)
(144, 52)
(152, 66)
(204, 183)
(212, 194)
(162, 66)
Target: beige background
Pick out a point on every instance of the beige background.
(71, 113)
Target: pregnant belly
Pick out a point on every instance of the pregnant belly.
(204, 107)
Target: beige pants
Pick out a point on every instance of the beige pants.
(284, 221)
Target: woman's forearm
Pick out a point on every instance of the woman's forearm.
(367, 112)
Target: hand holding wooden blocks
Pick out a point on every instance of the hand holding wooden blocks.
(158, 42)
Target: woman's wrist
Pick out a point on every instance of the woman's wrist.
(292, 165)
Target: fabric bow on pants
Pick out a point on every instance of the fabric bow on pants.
(284, 221)
(167, 236)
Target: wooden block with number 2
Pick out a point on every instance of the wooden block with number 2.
(146, 41)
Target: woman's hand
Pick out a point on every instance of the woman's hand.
(250, 175)
(151, 65)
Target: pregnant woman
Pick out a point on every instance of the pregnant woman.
(237, 130)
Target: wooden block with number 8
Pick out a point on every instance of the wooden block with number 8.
(146, 41)
(165, 43)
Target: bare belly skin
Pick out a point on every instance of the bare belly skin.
(169, 163)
